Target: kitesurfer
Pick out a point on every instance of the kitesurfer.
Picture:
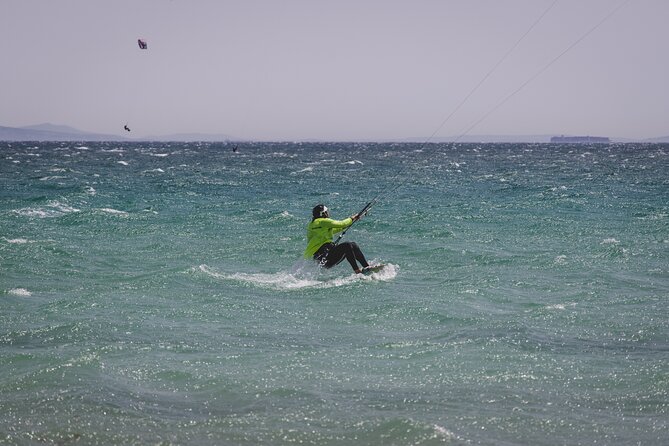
(320, 246)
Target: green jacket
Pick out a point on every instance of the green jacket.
(320, 232)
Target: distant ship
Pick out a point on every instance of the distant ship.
(581, 139)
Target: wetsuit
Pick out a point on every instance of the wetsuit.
(321, 248)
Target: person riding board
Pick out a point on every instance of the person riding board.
(320, 246)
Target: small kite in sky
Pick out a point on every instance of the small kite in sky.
(126, 127)
(142, 44)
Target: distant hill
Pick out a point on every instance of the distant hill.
(185, 137)
(53, 128)
(486, 139)
(52, 132)
(660, 139)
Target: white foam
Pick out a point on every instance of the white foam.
(114, 211)
(306, 169)
(124, 163)
(445, 433)
(304, 275)
(353, 162)
(20, 292)
(53, 209)
(561, 307)
(18, 241)
(561, 259)
(30, 212)
(61, 207)
(609, 241)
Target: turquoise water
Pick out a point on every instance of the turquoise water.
(155, 294)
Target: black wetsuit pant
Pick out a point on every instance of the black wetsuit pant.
(330, 255)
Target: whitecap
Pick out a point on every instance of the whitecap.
(560, 307)
(445, 433)
(561, 259)
(353, 162)
(53, 209)
(160, 155)
(124, 163)
(30, 212)
(63, 208)
(18, 241)
(306, 169)
(114, 212)
(158, 170)
(20, 292)
(609, 241)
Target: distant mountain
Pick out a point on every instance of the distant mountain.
(523, 139)
(47, 127)
(52, 132)
(186, 137)
(660, 139)
(486, 139)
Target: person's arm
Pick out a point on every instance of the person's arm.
(337, 224)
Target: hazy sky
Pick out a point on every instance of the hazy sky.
(336, 69)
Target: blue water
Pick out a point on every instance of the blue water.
(156, 294)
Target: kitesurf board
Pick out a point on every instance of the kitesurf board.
(374, 268)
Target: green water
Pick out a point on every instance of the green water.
(155, 293)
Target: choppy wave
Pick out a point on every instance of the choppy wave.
(114, 212)
(52, 209)
(17, 241)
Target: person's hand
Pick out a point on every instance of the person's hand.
(355, 217)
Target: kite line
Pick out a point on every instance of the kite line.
(400, 182)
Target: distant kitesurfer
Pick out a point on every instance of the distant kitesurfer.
(126, 127)
(234, 149)
(320, 246)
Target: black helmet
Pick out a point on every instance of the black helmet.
(320, 211)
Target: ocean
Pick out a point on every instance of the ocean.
(155, 293)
